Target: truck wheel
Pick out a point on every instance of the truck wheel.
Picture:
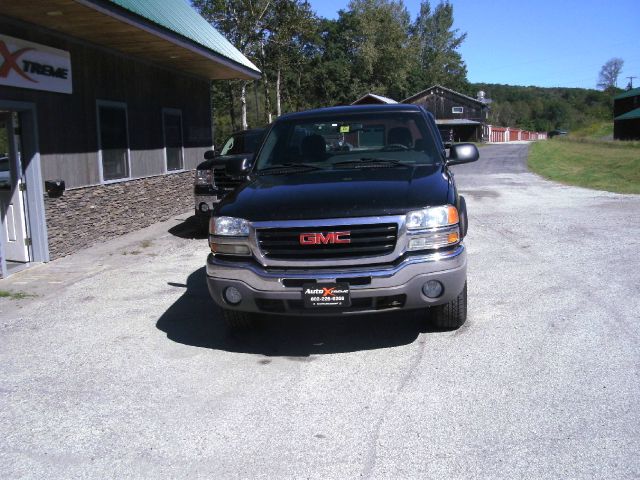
(452, 315)
(238, 320)
(464, 220)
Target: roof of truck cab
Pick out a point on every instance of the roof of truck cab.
(249, 130)
(351, 109)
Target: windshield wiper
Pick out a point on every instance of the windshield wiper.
(371, 162)
(287, 168)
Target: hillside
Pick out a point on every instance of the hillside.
(544, 109)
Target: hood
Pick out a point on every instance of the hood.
(338, 193)
(220, 161)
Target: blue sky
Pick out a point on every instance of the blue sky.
(545, 43)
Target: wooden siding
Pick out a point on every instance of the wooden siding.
(194, 156)
(67, 124)
(75, 168)
(624, 105)
(440, 103)
(145, 161)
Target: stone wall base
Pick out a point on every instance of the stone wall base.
(85, 216)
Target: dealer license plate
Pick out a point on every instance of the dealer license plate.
(326, 295)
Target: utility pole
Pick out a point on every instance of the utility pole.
(631, 80)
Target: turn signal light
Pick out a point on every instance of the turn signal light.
(230, 249)
(452, 215)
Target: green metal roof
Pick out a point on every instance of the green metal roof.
(629, 93)
(180, 18)
(633, 114)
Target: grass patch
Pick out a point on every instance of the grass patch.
(613, 166)
(596, 131)
(15, 295)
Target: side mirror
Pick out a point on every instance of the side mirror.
(237, 167)
(209, 154)
(462, 153)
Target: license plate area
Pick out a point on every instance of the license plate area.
(326, 295)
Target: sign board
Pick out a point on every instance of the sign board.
(31, 65)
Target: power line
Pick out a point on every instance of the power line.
(631, 80)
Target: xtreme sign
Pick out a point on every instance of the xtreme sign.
(30, 65)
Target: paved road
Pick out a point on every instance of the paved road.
(125, 372)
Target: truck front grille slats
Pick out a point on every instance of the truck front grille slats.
(224, 181)
(328, 252)
(354, 241)
(356, 230)
(365, 241)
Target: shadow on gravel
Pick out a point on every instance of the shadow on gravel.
(191, 228)
(195, 320)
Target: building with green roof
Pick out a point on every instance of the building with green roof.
(628, 93)
(105, 111)
(626, 115)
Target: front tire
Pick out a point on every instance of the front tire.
(452, 315)
(236, 320)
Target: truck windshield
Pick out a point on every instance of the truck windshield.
(243, 142)
(350, 141)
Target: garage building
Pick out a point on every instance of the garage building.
(460, 118)
(105, 111)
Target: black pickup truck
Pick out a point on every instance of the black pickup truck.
(344, 210)
(211, 181)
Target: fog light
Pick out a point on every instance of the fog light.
(232, 295)
(204, 207)
(432, 289)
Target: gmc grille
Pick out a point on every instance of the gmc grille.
(366, 241)
(224, 181)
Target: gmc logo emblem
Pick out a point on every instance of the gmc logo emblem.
(324, 238)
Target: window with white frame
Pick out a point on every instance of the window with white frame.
(172, 124)
(457, 110)
(114, 141)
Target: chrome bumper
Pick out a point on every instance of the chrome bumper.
(263, 289)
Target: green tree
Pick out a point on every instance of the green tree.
(334, 79)
(540, 109)
(243, 23)
(438, 43)
(382, 52)
(292, 29)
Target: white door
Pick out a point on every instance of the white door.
(12, 206)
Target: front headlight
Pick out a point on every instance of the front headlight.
(203, 177)
(432, 217)
(229, 226)
(432, 228)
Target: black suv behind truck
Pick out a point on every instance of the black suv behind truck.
(345, 210)
(212, 182)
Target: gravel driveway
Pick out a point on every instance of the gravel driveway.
(120, 368)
